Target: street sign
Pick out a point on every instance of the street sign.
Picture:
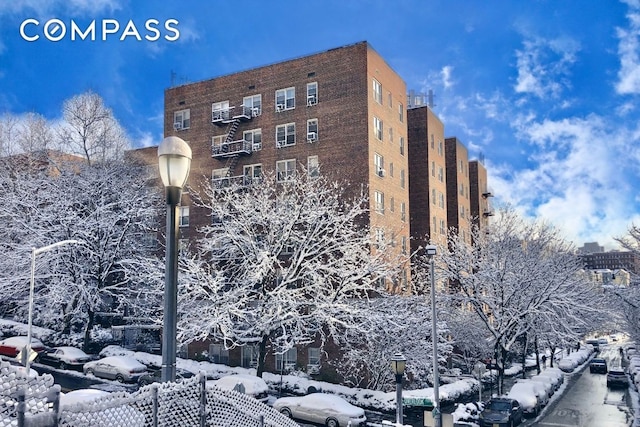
(416, 401)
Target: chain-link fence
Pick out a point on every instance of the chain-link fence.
(35, 401)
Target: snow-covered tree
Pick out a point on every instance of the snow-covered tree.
(90, 130)
(109, 207)
(392, 324)
(515, 275)
(281, 264)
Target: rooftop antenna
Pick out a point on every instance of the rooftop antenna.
(173, 78)
(430, 96)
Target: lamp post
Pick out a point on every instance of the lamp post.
(437, 420)
(34, 252)
(174, 160)
(398, 364)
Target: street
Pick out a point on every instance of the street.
(587, 402)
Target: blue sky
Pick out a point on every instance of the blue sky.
(547, 91)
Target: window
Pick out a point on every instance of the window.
(379, 201)
(401, 112)
(462, 189)
(433, 196)
(252, 174)
(183, 215)
(378, 163)
(389, 99)
(218, 140)
(220, 111)
(218, 354)
(402, 145)
(404, 245)
(181, 119)
(287, 361)
(313, 356)
(285, 135)
(312, 130)
(285, 169)
(390, 169)
(443, 228)
(285, 99)
(254, 103)
(433, 168)
(441, 200)
(250, 353)
(440, 174)
(432, 142)
(313, 166)
(440, 148)
(377, 91)
(391, 134)
(379, 237)
(254, 136)
(219, 178)
(403, 211)
(312, 94)
(378, 128)
(402, 178)
(392, 203)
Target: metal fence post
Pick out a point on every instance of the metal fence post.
(261, 420)
(56, 404)
(154, 410)
(21, 407)
(203, 399)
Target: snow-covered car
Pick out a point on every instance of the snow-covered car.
(598, 365)
(326, 409)
(64, 357)
(119, 368)
(526, 395)
(248, 384)
(501, 412)
(108, 416)
(13, 345)
(556, 376)
(540, 390)
(547, 382)
(155, 376)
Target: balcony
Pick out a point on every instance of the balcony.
(221, 150)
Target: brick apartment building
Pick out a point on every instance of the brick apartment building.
(343, 113)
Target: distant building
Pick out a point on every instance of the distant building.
(595, 258)
(591, 248)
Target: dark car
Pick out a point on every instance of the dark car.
(617, 377)
(64, 358)
(155, 376)
(598, 366)
(501, 412)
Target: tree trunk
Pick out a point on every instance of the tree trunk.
(553, 352)
(87, 330)
(262, 355)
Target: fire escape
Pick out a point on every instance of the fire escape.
(231, 149)
(488, 211)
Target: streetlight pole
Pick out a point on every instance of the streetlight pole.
(34, 252)
(398, 365)
(437, 420)
(174, 160)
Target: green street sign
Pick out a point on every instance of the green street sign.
(416, 401)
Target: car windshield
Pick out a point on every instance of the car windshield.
(499, 406)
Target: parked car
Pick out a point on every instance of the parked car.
(525, 394)
(119, 368)
(598, 366)
(326, 409)
(555, 374)
(539, 388)
(547, 382)
(617, 377)
(501, 411)
(155, 376)
(13, 345)
(248, 384)
(64, 357)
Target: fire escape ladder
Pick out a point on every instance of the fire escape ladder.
(233, 127)
(231, 165)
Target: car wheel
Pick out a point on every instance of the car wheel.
(332, 422)
(89, 372)
(63, 365)
(286, 412)
(119, 378)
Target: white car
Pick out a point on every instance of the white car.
(119, 368)
(326, 409)
(248, 384)
(548, 383)
(526, 395)
(64, 357)
(555, 374)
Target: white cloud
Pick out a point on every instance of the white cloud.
(628, 47)
(544, 66)
(445, 73)
(47, 7)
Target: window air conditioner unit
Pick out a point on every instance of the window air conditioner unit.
(381, 173)
(279, 107)
(311, 100)
(312, 136)
(255, 112)
(177, 125)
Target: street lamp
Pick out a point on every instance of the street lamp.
(34, 252)
(398, 364)
(437, 421)
(174, 160)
